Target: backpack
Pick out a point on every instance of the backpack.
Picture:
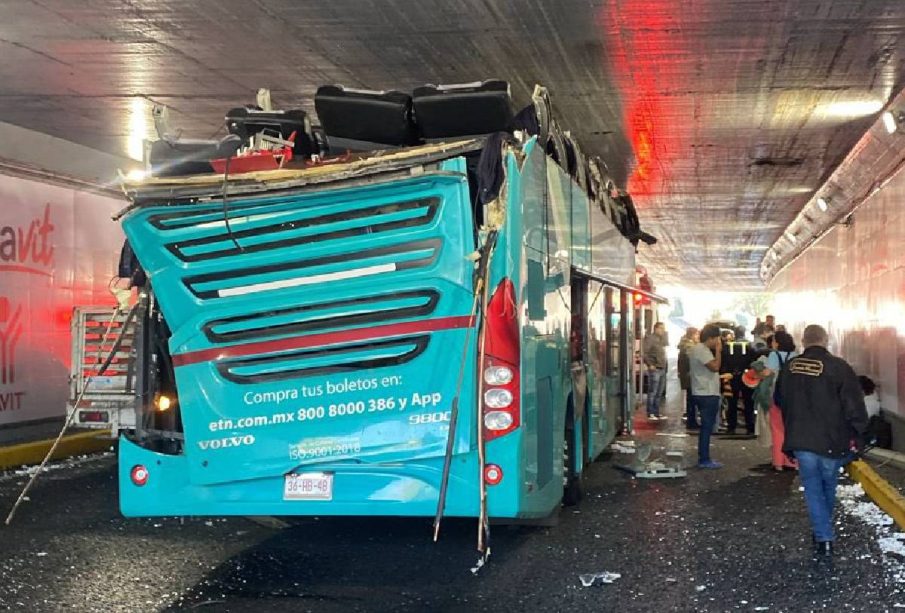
(761, 394)
(776, 396)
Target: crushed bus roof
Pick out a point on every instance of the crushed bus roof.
(157, 189)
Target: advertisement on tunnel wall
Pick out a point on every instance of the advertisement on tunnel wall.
(58, 249)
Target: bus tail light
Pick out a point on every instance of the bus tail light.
(139, 475)
(500, 370)
(493, 474)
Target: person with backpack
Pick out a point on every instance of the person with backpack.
(761, 380)
(783, 350)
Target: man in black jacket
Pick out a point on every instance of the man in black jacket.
(824, 416)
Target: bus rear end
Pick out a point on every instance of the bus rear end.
(316, 340)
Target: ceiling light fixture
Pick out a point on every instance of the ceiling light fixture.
(792, 238)
(137, 130)
(849, 109)
(889, 121)
(774, 256)
(822, 204)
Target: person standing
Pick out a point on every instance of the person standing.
(704, 360)
(783, 350)
(763, 330)
(690, 339)
(823, 414)
(653, 353)
(738, 354)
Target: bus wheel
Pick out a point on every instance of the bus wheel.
(572, 479)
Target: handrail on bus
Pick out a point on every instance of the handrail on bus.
(616, 284)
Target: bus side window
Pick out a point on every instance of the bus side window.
(535, 289)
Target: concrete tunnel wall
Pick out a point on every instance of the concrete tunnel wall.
(852, 282)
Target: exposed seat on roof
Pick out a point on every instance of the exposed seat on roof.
(443, 111)
(360, 115)
(245, 122)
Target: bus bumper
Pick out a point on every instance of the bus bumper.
(404, 489)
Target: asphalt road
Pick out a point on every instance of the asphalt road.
(735, 539)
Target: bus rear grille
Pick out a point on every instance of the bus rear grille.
(360, 311)
(323, 360)
(284, 225)
(316, 270)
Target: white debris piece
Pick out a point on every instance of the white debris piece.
(621, 448)
(894, 544)
(891, 544)
(481, 561)
(589, 579)
(700, 588)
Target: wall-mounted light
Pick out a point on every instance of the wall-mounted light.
(892, 120)
(822, 204)
(792, 238)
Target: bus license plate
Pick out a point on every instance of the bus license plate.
(308, 486)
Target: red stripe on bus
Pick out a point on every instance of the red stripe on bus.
(319, 340)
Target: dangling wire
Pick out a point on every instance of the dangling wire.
(69, 418)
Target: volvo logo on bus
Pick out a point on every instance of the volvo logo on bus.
(229, 441)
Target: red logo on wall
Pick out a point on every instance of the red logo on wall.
(10, 332)
(28, 248)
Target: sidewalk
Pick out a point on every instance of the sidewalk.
(28, 443)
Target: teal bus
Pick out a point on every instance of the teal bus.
(317, 342)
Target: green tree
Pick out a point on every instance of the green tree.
(757, 304)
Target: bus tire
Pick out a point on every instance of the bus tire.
(573, 480)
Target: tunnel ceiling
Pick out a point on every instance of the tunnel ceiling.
(721, 116)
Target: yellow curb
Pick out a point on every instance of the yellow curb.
(880, 491)
(73, 444)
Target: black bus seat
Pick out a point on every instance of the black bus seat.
(470, 109)
(363, 116)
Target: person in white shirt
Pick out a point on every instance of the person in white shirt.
(704, 367)
(871, 400)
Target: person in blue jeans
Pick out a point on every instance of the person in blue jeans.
(704, 367)
(653, 353)
(824, 417)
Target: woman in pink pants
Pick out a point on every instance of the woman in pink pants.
(783, 351)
